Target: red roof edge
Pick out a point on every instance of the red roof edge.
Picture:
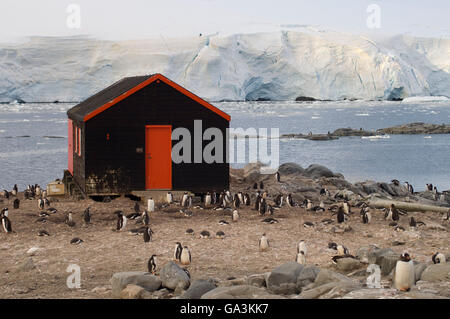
(147, 82)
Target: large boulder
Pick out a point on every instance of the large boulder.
(347, 264)
(318, 171)
(307, 276)
(283, 279)
(330, 290)
(386, 258)
(173, 276)
(290, 169)
(258, 280)
(436, 272)
(121, 280)
(440, 288)
(198, 288)
(326, 276)
(418, 270)
(239, 292)
(133, 292)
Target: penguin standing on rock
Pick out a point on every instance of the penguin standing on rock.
(366, 215)
(301, 258)
(16, 203)
(151, 265)
(208, 199)
(392, 213)
(151, 205)
(263, 243)
(277, 177)
(438, 258)
(301, 247)
(185, 257)
(145, 218)
(169, 198)
(404, 275)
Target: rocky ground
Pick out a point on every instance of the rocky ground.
(114, 264)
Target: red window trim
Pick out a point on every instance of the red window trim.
(79, 141)
(75, 145)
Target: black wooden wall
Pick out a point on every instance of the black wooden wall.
(114, 165)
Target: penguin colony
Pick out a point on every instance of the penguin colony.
(264, 203)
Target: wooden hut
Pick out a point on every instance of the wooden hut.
(120, 139)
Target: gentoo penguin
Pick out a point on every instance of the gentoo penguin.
(5, 194)
(438, 258)
(76, 241)
(121, 220)
(392, 213)
(69, 220)
(347, 208)
(220, 234)
(261, 185)
(137, 207)
(269, 220)
(223, 222)
(301, 247)
(177, 251)
(404, 275)
(184, 199)
(46, 202)
(6, 223)
(16, 203)
(429, 187)
(133, 216)
(148, 232)
(301, 258)
(270, 209)
(208, 199)
(414, 223)
(257, 202)
(262, 207)
(236, 201)
(279, 200)
(396, 182)
(151, 205)
(15, 190)
(289, 200)
(151, 265)
(255, 186)
(43, 233)
(40, 203)
(87, 216)
(366, 215)
(263, 243)
(409, 188)
(189, 231)
(186, 212)
(37, 190)
(145, 218)
(205, 234)
(399, 228)
(277, 176)
(241, 197)
(185, 258)
(247, 199)
(308, 224)
(235, 215)
(340, 215)
(341, 249)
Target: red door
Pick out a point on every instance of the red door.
(158, 157)
(70, 150)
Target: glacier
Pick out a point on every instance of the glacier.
(278, 65)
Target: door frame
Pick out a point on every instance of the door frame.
(145, 156)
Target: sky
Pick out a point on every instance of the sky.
(140, 19)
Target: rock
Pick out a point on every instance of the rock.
(120, 280)
(198, 288)
(290, 169)
(100, 290)
(326, 276)
(441, 288)
(418, 270)
(173, 276)
(436, 272)
(239, 292)
(257, 280)
(33, 251)
(132, 292)
(329, 290)
(348, 264)
(252, 172)
(27, 265)
(318, 171)
(386, 258)
(380, 293)
(233, 282)
(307, 276)
(159, 294)
(283, 279)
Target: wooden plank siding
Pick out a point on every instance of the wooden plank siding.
(114, 165)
